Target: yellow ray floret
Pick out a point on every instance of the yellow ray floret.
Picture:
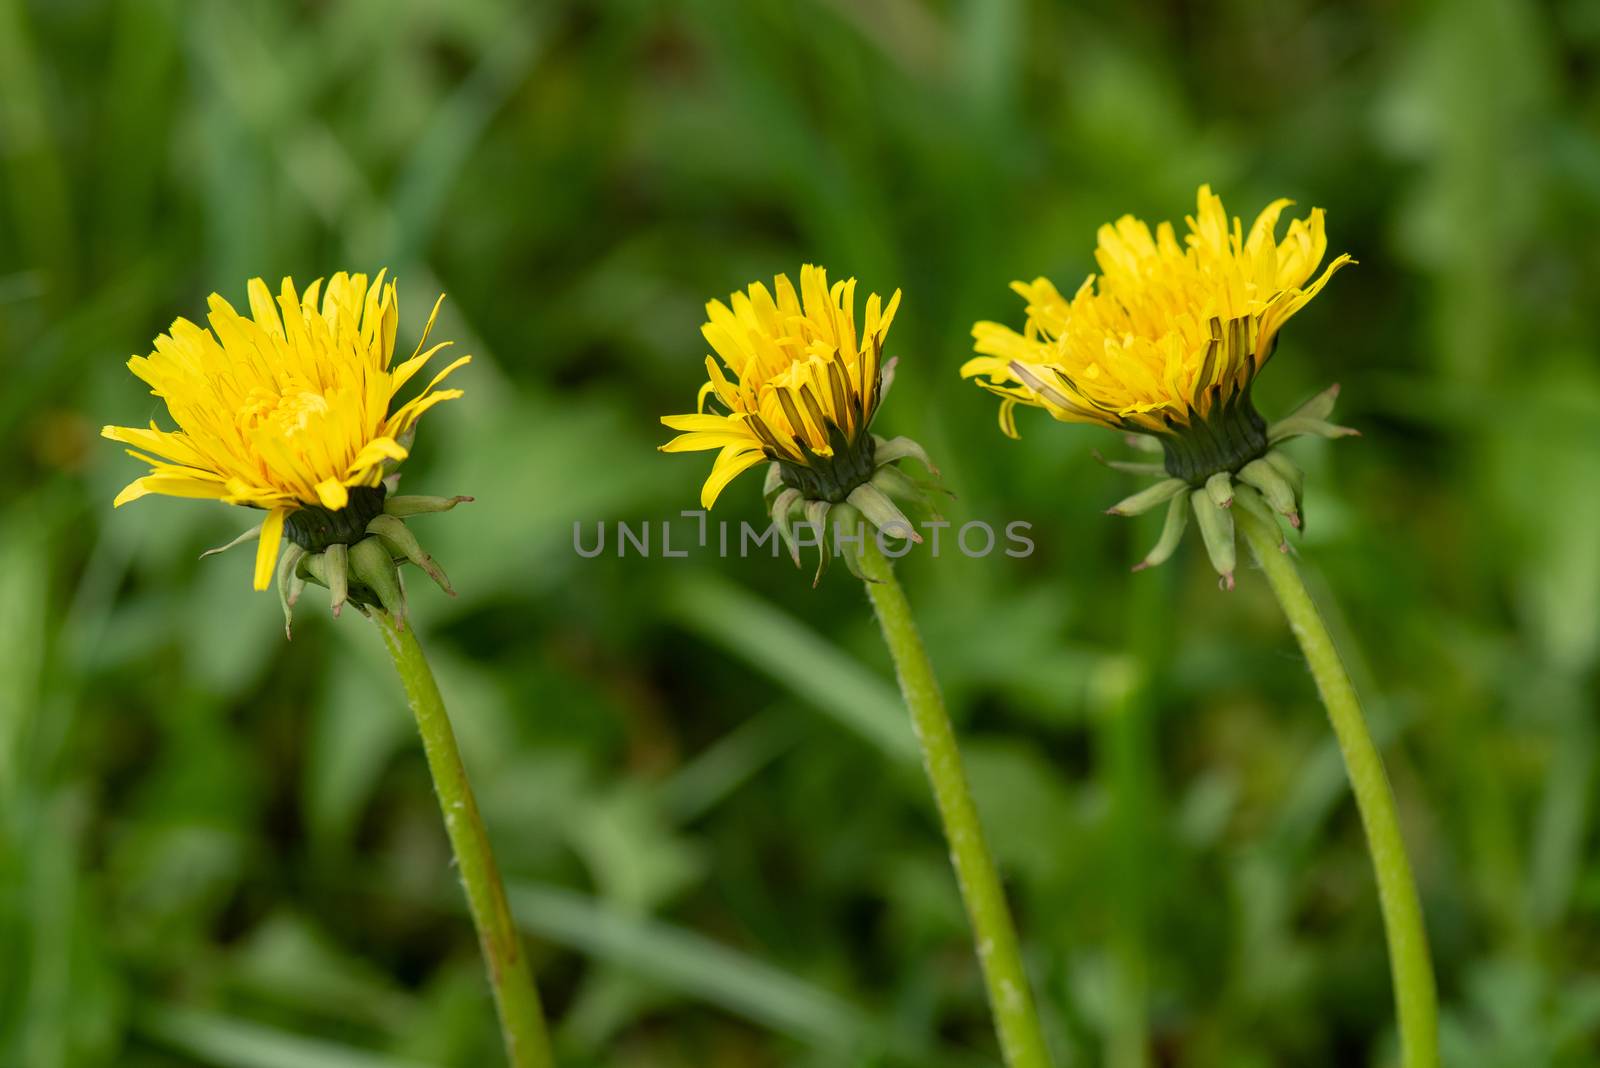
(800, 380)
(1166, 331)
(283, 409)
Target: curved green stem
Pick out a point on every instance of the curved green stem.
(1010, 997)
(521, 1018)
(1416, 1001)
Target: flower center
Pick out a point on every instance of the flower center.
(291, 412)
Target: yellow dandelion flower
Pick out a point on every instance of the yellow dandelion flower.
(1169, 333)
(1166, 343)
(798, 385)
(805, 384)
(289, 409)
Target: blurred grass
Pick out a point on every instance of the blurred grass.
(218, 848)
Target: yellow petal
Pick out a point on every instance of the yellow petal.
(701, 421)
(402, 374)
(412, 410)
(1261, 230)
(170, 486)
(427, 328)
(1008, 418)
(174, 447)
(888, 314)
(375, 452)
(333, 494)
(701, 441)
(442, 375)
(267, 550)
(720, 385)
(262, 308)
(733, 461)
(998, 369)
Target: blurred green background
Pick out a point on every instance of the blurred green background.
(220, 848)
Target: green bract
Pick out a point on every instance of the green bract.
(1266, 483)
(876, 502)
(354, 553)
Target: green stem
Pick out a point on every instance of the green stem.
(521, 1019)
(1416, 1001)
(1010, 997)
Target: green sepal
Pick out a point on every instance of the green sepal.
(1297, 427)
(403, 545)
(892, 449)
(895, 483)
(417, 505)
(250, 535)
(782, 512)
(372, 567)
(870, 489)
(882, 513)
(916, 495)
(918, 498)
(817, 516)
(885, 381)
(1220, 487)
(1311, 418)
(1290, 471)
(289, 585)
(297, 586)
(1171, 534)
(1274, 487)
(1130, 468)
(313, 567)
(1147, 443)
(1294, 476)
(1252, 502)
(1216, 530)
(850, 518)
(336, 567)
(1147, 499)
(1319, 406)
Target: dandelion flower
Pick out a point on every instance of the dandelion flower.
(291, 409)
(795, 384)
(1165, 344)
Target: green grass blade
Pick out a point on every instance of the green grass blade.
(775, 643)
(227, 1042)
(690, 964)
